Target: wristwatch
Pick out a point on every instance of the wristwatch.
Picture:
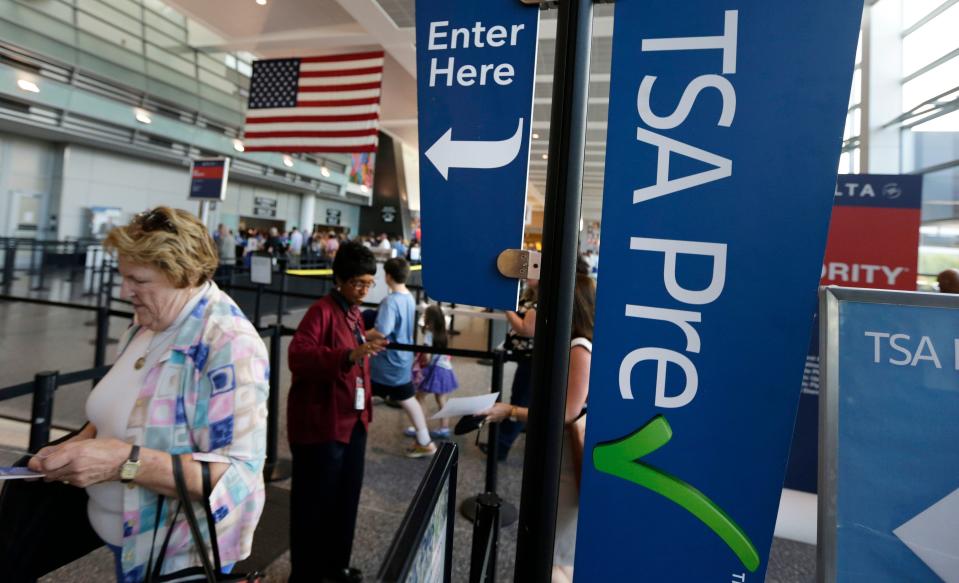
(129, 469)
(512, 414)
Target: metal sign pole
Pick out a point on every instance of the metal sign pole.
(544, 434)
(205, 212)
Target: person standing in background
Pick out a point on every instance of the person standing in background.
(949, 281)
(519, 341)
(296, 246)
(392, 371)
(226, 245)
(328, 413)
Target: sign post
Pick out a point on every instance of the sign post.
(208, 179)
(476, 66)
(711, 263)
(564, 179)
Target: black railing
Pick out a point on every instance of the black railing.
(487, 510)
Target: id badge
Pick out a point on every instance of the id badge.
(360, 403)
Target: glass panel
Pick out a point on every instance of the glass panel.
(930, 84)
(172, 30)
(855, 94)
(931, 41)
(932, 143)
(104, 31)
(130, 7)
(940, 197)
(859, 50)
(110, 17)
(852, 124)
(845, 163)
(914, 10)
(165, 11)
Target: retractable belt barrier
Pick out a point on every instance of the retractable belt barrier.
(485, 509)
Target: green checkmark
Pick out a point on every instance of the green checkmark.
(620, 458)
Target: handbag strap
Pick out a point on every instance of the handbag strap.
(184, 503)
(154, 571)
(187, 506)
(210, 522)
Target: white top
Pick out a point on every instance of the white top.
(108, 408)
(296, 242)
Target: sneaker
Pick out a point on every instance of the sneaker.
(441, 433)
(410, 431)
(418, 451)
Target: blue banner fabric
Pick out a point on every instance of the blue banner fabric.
(476, 65)
(725, 125)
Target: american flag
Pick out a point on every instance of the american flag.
(315, 104)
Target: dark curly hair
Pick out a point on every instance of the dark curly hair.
(352, 260)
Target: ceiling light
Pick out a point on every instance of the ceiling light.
(535, 136)
(545, 156)
(287, 161)
(28, 86)
(143, 117)
(325, 171)
(238, 145)
(261, 2)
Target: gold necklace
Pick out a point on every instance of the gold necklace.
(141, 362)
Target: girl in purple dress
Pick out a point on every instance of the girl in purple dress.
(435, 375)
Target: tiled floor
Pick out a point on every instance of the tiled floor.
(34, 338)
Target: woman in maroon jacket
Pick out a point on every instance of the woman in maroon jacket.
(328, 413)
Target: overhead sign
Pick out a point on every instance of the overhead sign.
(333, 216)
(476, 66)
(208, 178)
(890, 436)
(720, 175)
(873, 243)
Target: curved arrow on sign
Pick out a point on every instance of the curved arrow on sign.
(620, 458)
(446, 153)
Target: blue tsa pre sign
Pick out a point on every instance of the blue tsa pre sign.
(893, 415)
(725, 125)
(476, 65)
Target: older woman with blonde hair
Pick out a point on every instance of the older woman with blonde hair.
(190, 381)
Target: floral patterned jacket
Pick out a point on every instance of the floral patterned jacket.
(207, 394)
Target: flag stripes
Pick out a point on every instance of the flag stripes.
(315, 104)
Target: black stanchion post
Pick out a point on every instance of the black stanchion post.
(564, 178)
(281, 299)
(506, 511)
(453, 331)
(274, 469)
(492, 445)
(256, 305)
(9, 265)
(103, 333)
(110, 282)
(41, 275)
(485, 539)
(41, 415)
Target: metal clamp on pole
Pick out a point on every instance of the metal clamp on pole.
(520, 263)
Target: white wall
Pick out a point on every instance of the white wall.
(97, 178)
(94, 177)
(25, 166)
